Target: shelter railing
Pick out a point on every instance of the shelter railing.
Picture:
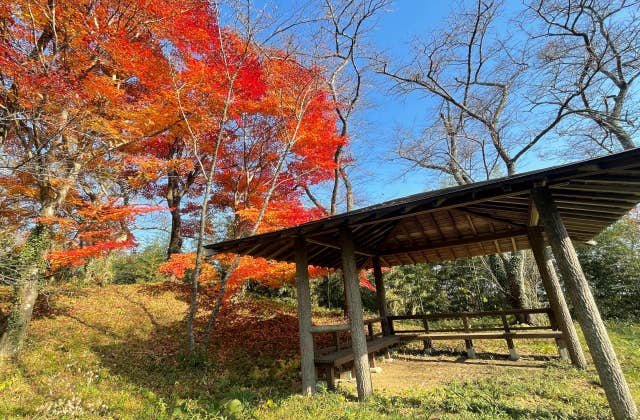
(340, 340)
(466, 317)
(487, 328)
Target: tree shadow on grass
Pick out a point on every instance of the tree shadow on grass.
(253, 355)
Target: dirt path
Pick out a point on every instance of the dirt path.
(410, 371)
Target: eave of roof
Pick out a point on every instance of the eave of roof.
(463, 221)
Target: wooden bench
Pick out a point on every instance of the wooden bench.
(331, 361)
(468, 332)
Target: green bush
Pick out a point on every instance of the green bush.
(139, 267)
(328, 291)
(447, 287)
(612, 267)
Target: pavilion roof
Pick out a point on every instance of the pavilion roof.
(459, 222)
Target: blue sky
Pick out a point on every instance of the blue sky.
(385, 178)
(377, 176)
(380, 177)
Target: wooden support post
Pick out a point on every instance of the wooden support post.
(471, 352)
(513, 353)
(356, 321)
(595, 332)
(331, 378)
(557, 302)
(561, 343)
(304, 318)
(345, 298)
(427, 345)
(381, 295)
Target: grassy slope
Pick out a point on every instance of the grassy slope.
(116, 352)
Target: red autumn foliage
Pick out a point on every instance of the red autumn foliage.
(80, 82)
(124, 100)
(95, 230)
(364, 281)
(269, 273)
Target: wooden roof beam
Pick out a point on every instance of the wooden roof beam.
(438, 204)
(459, 242)
(569, 192)
(594, 188)
(611, 179)
(490, 217)
(593, 204)
(358, 250)
(584, 209)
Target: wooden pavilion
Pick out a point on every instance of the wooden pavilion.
(558, 206)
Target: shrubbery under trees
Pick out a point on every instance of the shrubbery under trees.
(612, 267)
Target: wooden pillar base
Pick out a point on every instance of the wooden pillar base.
(563, 353)
(513, 353)
(471, 352)
(427, 347)
(372, 360)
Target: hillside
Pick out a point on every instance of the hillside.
(115, 351)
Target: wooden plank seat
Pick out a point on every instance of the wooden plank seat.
(341, 357)
(330, 365)
(332, 360)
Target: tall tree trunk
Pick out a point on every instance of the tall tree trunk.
(513, 280)
(174, 199)
(33, 265)
(348, 189)
(175, 235)
(333, 206)
(26, 290)
(509, 271)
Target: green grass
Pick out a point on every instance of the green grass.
(118, 352)
(550, 396)
(626, 341)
